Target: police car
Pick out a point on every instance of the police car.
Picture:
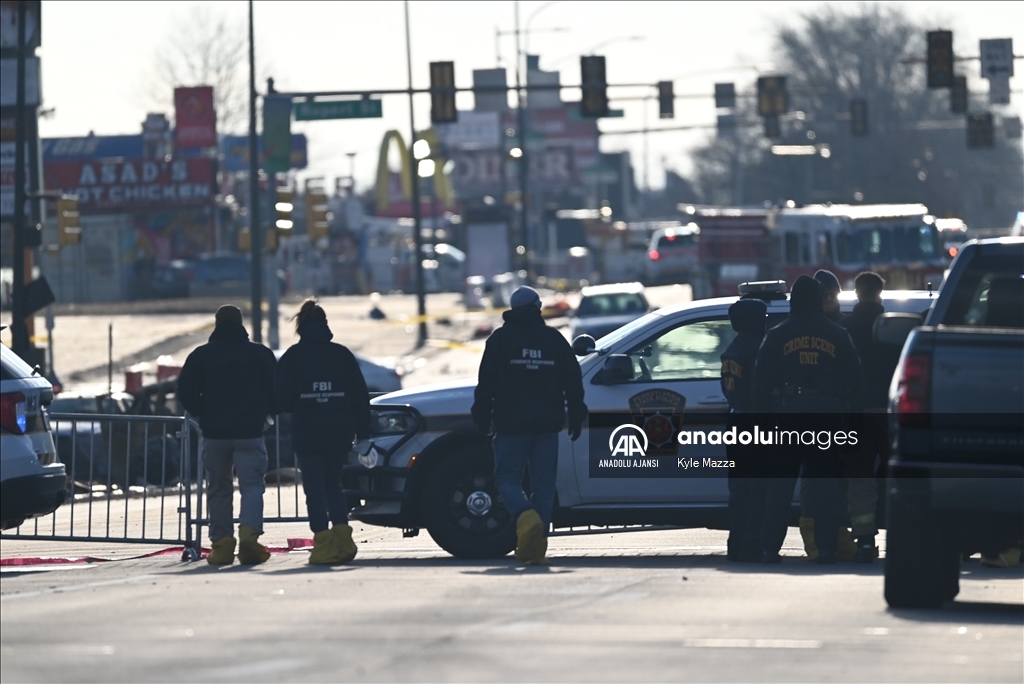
(426, 466)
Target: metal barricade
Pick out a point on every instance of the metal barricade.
(129, 479)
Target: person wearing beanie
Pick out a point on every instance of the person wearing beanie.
(320, 384)
(746, 478)
(808, 371)
(228, 384)
(832, 288)
(530, 387)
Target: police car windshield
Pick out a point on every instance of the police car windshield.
(611, 339)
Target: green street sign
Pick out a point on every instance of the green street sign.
(344, 109)
(615, 114)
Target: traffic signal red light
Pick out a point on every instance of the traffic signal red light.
(442, 93)
(594, 103)
(666, 100)
(940, 59)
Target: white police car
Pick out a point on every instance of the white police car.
(426, 466)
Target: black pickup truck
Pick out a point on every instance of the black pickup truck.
(956, 477)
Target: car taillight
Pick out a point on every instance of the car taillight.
(12, 412)
(654, 255)
(912, 391)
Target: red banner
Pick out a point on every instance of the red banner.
(195, 121)
(119, 185)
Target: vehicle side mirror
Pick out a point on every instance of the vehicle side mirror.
(894, 328)
(617, 369)
(584, 345)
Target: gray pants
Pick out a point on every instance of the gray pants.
(248, 457)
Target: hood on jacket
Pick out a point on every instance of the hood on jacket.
(229, 331)
(807, 297)
(749, 316)
(523, 316)
(315, 331)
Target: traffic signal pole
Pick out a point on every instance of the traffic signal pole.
(255, 233)
(524, 221)
(20, 342)
(421, 295)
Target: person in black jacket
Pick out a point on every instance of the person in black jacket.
(320, 384)
(862, 497)
(833, 289)
(228, 384)
(746, 479)
(529, 377)
(807, 368)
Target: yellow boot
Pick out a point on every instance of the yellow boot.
(807, 534)
(532, 543)
(325, 550)
(1006, 559)
(345, 549)
(222, 551)
(846, 548)
(250, 551)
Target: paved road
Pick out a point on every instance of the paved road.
(649, 606)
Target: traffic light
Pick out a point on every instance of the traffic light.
(318, 223)
(442, 93)
(725, 95)
(594, 103)
(772, 98)
(980, 130)
(858, 116)
(940, 59)
(772, 129)
(69, 232)
(958, 95)
(283, 211)
(726, 125)
(666, 100)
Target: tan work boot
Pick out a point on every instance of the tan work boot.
(532, 543)
(325, 550)
(1007, 559)
(846, 548)
(250, 551)
(344, 548)
(222, 551)
(807, 534)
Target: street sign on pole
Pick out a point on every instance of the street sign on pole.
(340, 109)
(997, 58)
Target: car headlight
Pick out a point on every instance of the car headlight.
(391, 422)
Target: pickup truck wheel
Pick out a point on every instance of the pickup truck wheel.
(922, 568)
(462, 510)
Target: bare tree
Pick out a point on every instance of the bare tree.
(203, 49)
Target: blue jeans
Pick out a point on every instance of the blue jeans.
(321, 481)
(512, 453)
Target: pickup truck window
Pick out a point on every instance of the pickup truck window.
(990, 293)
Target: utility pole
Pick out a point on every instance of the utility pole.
(255, 232)
(524, 158)
(421, 297)
(21, 344)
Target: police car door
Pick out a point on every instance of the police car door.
(629, 452)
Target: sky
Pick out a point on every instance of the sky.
(99, 59)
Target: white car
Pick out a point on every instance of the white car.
(32, 479)
(605, 308)
(426, 466)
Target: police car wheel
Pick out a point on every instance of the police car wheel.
(462, 510)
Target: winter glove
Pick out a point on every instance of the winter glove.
(575, 431)
(484, 428)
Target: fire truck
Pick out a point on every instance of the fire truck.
(899, 241)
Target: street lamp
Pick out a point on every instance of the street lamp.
(595, 48)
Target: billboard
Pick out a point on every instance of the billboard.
(195, 120)
(122, 185)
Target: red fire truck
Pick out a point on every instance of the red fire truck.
(898, 241)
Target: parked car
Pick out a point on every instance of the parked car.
(32, 478)
(212, 274)
(604, 308)
(673, 255)
(80, 443)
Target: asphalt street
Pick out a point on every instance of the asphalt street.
(642, 606)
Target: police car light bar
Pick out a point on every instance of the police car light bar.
(763, 287)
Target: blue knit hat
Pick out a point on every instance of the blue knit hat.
(524, 296)
(828, 280)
